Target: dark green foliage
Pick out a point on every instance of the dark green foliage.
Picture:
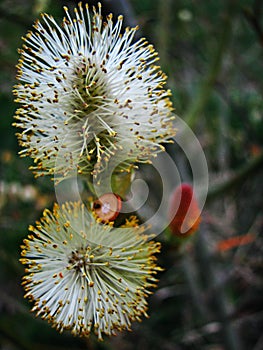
(207, 299)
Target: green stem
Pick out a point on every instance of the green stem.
(163, 35)
(240, 176)
(209, 274)
(194, 288)
(199, 103)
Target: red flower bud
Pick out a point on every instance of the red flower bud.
(183, 211)
(107, 207)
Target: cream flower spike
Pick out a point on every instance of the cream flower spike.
(85, 276)
(88, 91)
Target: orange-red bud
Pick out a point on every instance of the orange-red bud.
(183, 211)
(108, 206)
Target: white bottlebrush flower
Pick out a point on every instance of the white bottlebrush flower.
(88, 91)
(85, 276)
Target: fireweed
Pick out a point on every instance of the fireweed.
(85, 276)
(88, 91)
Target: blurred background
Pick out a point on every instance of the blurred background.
(210, 297)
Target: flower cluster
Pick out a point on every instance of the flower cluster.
(86, 276)
(88, 91)
(89, 95)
